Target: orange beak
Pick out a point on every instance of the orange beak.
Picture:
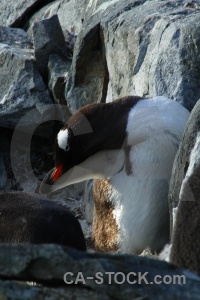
(57, 173)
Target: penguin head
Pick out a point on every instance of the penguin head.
(79, 158)
(68, 152)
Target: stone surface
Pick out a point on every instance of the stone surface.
(186, 237)
(21, 86)
(48, 39)
(157, 54)
(17, 12)
(58, 70)
(15, 37)
(184, 195)
(182, 160)
(31, 218)
(88, 79)
(71, 14)
(47, 265)
(93, 6)
(15, 291)
(150, 48)
(3, 174)
(88, 204)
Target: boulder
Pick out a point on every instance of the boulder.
(184, 197)
(15, 37)
(68, 273)
(58, 70)
(18, 12)
(71, 14)
(186, 236)
(21, 86)
(15, 290)
(93, 6)
(182, 159)
(48, 39)
(3, 174)
(88, 79)
(88, 203)
(30, 218)
(157, 54)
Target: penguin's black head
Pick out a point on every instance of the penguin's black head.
(70, 149)
(65, 153)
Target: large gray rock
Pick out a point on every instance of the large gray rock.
(182, 160)
(21, 86)
(17, 12)
(58, 70)
(89, 77)
(156, 54)
(93, 6)
(17, 38)
(47, 264)
(48, 39)
(186, 235)
(3, 174)
(88, 203)
(16, 290)
(184, 195)
(71, 14)
(30, 218)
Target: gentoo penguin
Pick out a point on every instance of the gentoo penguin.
(131, 144)
(25, 218)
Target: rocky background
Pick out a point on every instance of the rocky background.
(55, 57)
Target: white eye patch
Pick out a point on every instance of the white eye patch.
(62, 138)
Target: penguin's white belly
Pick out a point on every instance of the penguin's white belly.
(140, 198)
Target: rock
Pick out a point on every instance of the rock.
(21, 86)
(157, 54)
(3, 174)
(88, 203)
(29, 218)
(182, 160)
(49, 264)
(18, 12)
(70, 39)
(165, 253)
(151, 50)
(71, 14)
(69, 197)
(93, 6)
(13, 290)
(15, 37)
(186, 237)
(58, 73)
(184, 194)
(88, 79)
(48, 39)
